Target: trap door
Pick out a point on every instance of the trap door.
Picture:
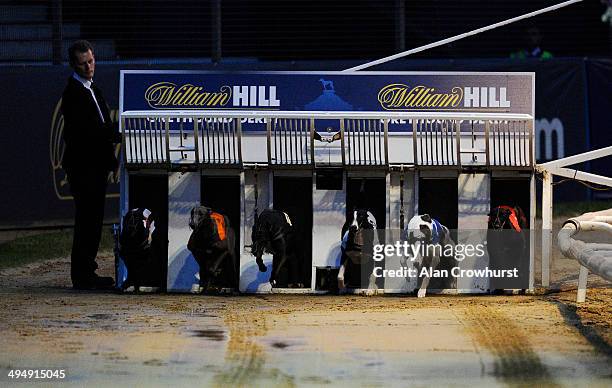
(292, 194)
(401, 195)
(183, 195)
(367, 190)
(328, 212)
(438, 197)
(515, 189)
(511, 189)
(474, 195)
(222, 194)
(256, 194)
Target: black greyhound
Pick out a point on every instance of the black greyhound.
(273, 232)
(212, 245)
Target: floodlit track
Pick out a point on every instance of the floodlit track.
(292, 340)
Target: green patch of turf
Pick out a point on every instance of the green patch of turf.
(44, 246)
(573, 209)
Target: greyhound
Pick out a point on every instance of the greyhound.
(212, 246)
(507, 241)
(427, 231)
(359, 235)
(273, 232)
(327, 85)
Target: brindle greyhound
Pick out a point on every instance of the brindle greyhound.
(212, 246)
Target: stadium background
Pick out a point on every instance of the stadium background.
(574, 86)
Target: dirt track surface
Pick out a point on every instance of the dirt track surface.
(280, 340)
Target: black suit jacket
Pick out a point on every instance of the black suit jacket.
(89, 141)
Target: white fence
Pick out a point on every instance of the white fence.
(594, 257)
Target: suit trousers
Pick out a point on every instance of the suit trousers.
(89, 191)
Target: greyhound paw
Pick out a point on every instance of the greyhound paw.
(196, 289)
(421, 293)
(265, 288)
(129, 289)
(369, 292)
(341, 285)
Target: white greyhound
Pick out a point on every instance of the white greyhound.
(427, 231)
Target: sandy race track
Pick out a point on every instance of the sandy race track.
(279, 340)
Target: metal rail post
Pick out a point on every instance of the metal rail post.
(582, 284)
(547, 201)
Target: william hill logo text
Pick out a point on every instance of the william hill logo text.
(168, 95)
(403, 97)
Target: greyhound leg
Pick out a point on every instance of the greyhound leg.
(434, 262)
(279, 247)
(372, 286)
(260, 264)
(341, 284)
(341, 270)
(423, 289)
(276, 267)
(215, 270)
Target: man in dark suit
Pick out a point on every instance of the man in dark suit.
(89, 158)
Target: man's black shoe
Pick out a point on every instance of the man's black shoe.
(94, 283)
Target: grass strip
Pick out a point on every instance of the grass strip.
(43, 246)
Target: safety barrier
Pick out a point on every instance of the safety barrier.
(361, 139)
(593, 257)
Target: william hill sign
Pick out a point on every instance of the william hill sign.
(328, 91)
(168, 95)
(403, 97)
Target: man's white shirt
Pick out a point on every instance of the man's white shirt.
(87, 85)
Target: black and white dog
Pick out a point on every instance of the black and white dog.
(212, 245)
(274, 233)
(359, 235)
(141, 249)
(425, 232)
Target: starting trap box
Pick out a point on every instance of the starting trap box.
(315, 144)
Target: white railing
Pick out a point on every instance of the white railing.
(559, 167)
(593, 257)
(360, 139)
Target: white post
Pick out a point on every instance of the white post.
(582, 284)
(533, 205)
(547, 212)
